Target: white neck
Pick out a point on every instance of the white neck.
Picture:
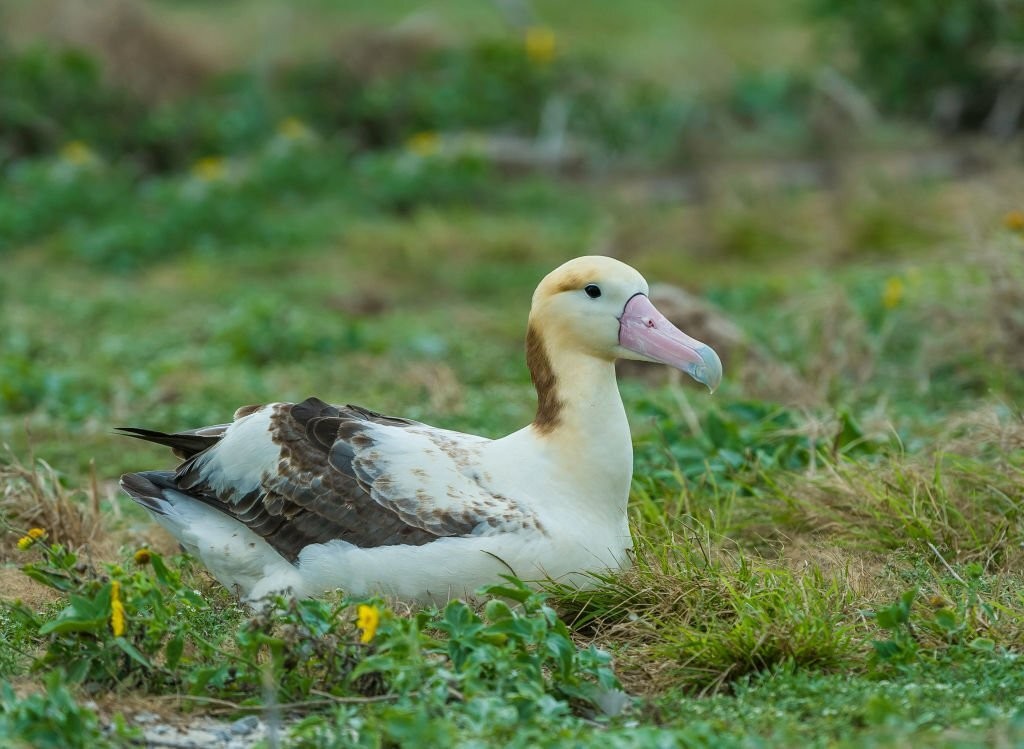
(591, 422)
(581, 435)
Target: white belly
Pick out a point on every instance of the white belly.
(432, 573)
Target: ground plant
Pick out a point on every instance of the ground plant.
(828, 550)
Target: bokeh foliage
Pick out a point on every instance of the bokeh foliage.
(911, 53)
(827, 548)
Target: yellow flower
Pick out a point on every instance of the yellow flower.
(142, 556)
(33, 535)
(540, 45)
(116, 609)
(425, 143)
(892, 294)
(369, 618)
(78, 153)
(210, 169)
(1014, 221)
(292, 128)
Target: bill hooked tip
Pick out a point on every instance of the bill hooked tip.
(708, 370)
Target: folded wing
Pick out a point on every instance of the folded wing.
(308, 473)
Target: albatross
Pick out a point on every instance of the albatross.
(304, 498)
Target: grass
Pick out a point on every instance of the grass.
(693, 45)
(768, 535)
(35, 497)
(828, 550)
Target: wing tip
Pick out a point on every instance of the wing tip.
(182, 444)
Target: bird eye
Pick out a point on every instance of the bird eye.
(593, 290)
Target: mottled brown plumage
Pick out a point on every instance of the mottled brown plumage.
(327, 485)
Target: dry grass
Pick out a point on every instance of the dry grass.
(990, 432)
(839, 350)
(373, 53)
(17, 586)
(32, 496)
(1004, 266)
(137, 52)
(694, 616)
(792, 573)
(971, 510)
(978, 316)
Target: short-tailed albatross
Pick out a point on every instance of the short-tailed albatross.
(307, 497)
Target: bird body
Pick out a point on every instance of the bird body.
(309, 497)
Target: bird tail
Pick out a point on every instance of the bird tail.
(147, 488)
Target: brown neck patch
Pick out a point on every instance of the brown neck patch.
(549, 406)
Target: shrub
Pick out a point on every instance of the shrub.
(147, 628)
(917, 56)
(49, 720)
(48, 98)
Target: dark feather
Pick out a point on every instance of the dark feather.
(184, 444)
(147, 488)
(314, 494)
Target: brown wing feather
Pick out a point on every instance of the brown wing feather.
(328, 485)
(310, 498)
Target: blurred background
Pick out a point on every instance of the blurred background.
(204, 204)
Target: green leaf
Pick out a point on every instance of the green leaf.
(906, 601)
(719, 432)
(879, 708)
(563, 651)
(58, 581)
(519, 593)
(892, 617)
(64, 624)
(132, 651)
(163, 575)
(72, 620)
(889, 617)
(82, 614)
(887, 649)
(173, 650)
(459, 619)
(202, 677)
(496, 611)
(850, 431)
(946, 620)
(78, 670)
